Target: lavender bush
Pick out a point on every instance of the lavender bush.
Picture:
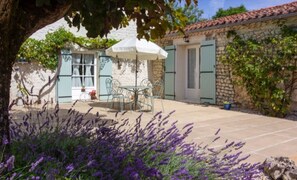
(48, 146)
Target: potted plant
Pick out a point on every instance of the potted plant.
(93, 94)
(83, 89)
(227, 105)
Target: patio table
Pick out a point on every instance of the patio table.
(135, 90)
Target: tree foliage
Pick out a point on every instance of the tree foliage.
(20, 19)
(192, 12)
(230, 11)
(152, 18)
(266, 68)
(46, 52)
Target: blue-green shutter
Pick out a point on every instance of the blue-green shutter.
(64, 83)
(105, 71)
(169, 79)
(207, 72)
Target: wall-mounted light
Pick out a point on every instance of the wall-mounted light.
(186, 38)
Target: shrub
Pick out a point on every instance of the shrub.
(266, 68)
(49, 146)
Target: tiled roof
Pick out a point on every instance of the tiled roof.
(274, 11)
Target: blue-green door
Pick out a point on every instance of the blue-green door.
(105, 71)
(64, 85)
(169, 86)
(207, 72)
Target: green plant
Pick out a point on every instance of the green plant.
(54, 145)
(266, 68)
(230, 11)
(47, 51)
(22, 89)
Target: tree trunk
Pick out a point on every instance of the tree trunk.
(9, 46)
(18, 20)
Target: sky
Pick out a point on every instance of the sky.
(210, 7)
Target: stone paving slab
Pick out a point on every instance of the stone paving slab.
(264, 136)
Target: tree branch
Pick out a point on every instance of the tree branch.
(34, 18)
(51, 82)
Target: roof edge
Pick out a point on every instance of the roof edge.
(235, 24)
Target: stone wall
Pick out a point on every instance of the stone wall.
(34, 77)
(158, 66)
(158, 70)
(224, 85)
(227, 88)
(124, 71)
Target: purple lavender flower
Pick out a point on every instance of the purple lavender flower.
(34, 165)
(70, 168)
(35, 178)
(10, 163)
(98, 174)
(5, 140)
(91, 163)
(134, 175)
(13, 176)
(116, 149)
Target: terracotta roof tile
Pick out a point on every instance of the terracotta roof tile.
(250, 15)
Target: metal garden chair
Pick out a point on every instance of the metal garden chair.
(154, 92)
(114, 92)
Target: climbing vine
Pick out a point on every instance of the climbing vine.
(266, 68)
(46, 51)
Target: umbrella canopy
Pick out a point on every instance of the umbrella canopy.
(138, 49)
(133, 48)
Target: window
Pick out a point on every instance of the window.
(191, 68)
(83, 70)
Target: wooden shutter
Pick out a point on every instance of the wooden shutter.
(169, 79)
(64, 83)
(207, 72)
(105, 71)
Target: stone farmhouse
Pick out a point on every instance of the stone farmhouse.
(193, 71)
(80, 67)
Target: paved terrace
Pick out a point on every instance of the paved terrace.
(264, 136)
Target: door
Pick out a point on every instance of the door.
(207, 72)
(105, 71)
(63, 87)
(83, 73)
(192, 73)
(169, 79)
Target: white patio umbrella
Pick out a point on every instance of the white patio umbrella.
(133, 48)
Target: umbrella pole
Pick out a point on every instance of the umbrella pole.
(135, 90)
(136, 71)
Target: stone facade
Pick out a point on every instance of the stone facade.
(35, 78)
(227, 88)
(124, 71)
(158, 70)
(224, 85)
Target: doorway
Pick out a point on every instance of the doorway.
(192, 88)
(83, 73)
